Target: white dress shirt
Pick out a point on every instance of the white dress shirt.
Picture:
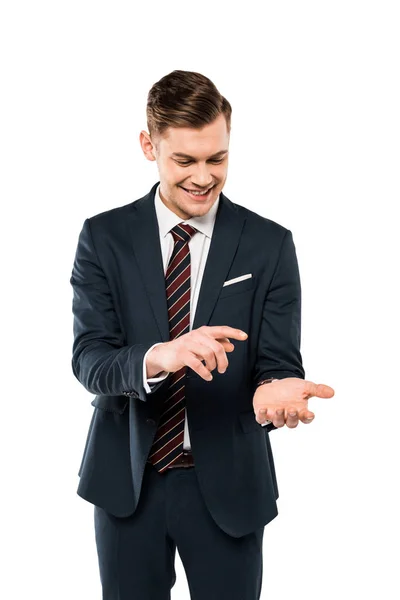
(199, 245)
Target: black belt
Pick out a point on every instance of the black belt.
(184, 461)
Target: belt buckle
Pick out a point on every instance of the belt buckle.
(188, 459)
(185, 463)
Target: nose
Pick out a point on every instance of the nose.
(201, 177)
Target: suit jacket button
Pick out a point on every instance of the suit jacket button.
(150, 421)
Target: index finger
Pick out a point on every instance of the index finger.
(320, 390)
(218, 331)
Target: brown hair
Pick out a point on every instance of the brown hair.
(184, 99)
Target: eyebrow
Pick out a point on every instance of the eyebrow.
(183, 155)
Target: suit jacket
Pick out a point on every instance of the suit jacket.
(120, 310)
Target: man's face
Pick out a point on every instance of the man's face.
(193, 159)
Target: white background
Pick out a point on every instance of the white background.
(314, 88)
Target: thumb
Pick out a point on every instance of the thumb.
(320, 390)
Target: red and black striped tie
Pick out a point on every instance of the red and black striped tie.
(167, 447)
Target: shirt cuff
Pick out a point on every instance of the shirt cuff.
(149, 380)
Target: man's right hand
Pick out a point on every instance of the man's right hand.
(205, 343)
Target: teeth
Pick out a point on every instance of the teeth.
(198, 193)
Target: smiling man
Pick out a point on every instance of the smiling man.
(187, 329)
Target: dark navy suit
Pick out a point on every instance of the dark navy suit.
(120, 310)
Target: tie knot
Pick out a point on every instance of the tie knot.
(183, 232)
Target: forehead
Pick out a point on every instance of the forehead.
(210, 139)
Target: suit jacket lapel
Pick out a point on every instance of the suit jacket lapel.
(147, 250)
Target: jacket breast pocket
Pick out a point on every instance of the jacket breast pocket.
(237, 288)
(115, 404)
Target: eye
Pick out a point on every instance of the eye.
(188, 162)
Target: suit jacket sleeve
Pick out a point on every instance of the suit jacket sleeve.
(278, 351)
(101, 360)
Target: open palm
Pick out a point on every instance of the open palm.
(286, 400)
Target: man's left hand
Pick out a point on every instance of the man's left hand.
(284, 401)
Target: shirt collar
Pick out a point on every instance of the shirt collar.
(168, 219)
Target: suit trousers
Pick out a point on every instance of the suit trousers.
(137, 553)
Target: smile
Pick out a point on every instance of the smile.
(198, 195)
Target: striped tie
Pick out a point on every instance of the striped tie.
(167, 447)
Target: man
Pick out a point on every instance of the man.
(166, 288)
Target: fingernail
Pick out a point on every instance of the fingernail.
(279, 413)
(292, 414)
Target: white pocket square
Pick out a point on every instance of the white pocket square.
(236, 279)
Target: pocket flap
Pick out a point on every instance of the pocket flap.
(115, 404)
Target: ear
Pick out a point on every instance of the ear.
(147, 145)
